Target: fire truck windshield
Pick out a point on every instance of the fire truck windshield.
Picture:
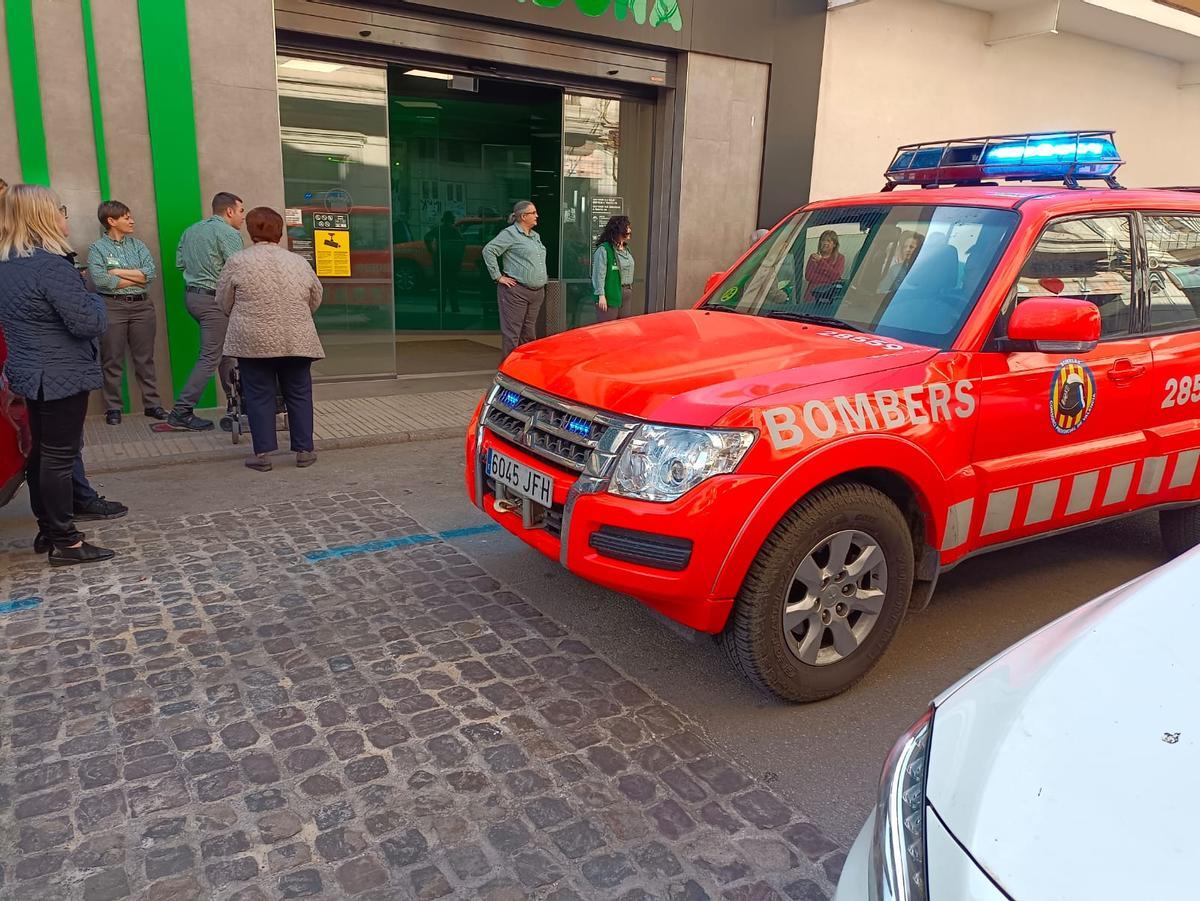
(903, 271)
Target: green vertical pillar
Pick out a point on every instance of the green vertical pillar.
(166, 62)
(27, 92)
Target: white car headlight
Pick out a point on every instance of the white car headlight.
(663, 463)
(898, 853)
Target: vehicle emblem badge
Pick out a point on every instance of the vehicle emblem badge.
(1072, 396)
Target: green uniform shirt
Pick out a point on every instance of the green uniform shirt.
(203, 250)
(520, 256)
(128, 253)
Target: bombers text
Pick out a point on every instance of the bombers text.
(870, 411)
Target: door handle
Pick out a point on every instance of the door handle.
(1125, 370)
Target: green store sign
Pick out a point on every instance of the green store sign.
(654, 12)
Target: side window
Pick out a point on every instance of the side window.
(1090, 259)
(1173, 250)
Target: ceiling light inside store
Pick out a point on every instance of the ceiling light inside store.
(310, 65)
(425, 73)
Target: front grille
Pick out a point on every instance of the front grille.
(564, 433)
(646, 548)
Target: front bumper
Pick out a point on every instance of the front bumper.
(579, 532)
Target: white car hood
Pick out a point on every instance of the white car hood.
(1069, 766)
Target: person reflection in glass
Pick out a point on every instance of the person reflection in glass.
(825, 267)
(447, 247)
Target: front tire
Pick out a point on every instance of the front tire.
(1180, 529)
(824, 596)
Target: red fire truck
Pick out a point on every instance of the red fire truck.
(882, 387)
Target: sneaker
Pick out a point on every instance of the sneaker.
(188, 422)
(305, 458)
(85, 553)
(112, 417)
(100, 509)
(156, 413)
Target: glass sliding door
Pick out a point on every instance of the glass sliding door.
(607, 160)
(463, 151)
(333, 121)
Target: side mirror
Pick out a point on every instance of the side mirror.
(713, 281)
(1056, 325)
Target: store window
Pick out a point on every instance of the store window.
(607, 153)
(333, 123)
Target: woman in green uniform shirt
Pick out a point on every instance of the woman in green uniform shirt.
(612, 271)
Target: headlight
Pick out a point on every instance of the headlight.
(898, 852)
(662, 463)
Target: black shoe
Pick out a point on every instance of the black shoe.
(156, 413)
(85, 553)
(100, 509)
(112, 417)
(188, 422)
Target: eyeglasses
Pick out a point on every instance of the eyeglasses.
(63, 209)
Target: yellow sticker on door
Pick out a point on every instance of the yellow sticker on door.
(333, 253)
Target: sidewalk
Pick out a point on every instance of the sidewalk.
(348, 422)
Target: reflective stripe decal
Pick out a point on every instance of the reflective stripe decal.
(1119, 481)
(1041, 502)
(999, 514)
(1153, 471)
(958, 524)
(1185, 469)
(1083, 492)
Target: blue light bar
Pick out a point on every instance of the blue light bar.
(509, 398)
(1042, 156)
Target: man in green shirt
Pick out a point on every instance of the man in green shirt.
(203, 251)
(516, 261)
(122, 269)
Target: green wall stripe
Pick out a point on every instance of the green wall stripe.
(27, 93)
(89, 51)
(166, 63)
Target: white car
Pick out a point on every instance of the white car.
(1067, 767)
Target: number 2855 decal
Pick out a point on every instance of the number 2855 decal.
(1182, 391)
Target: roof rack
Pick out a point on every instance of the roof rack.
(1045, 156)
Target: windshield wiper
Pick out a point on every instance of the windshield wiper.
(810, 317)
(720, 308)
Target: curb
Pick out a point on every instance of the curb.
(236, 452)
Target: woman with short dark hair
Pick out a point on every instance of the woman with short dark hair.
(270, 294)
(612, 270)
(51, 324)
(122, 269)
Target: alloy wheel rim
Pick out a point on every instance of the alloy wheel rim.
(835, 598)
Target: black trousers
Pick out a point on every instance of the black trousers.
(259, 377)
(57, 431)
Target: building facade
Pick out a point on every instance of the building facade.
(397, 135)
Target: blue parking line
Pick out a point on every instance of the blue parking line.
(387, 544)
(19, 604)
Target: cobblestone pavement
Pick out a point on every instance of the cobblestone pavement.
(218, 716)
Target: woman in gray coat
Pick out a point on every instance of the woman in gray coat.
(52, 325)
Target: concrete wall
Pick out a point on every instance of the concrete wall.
(237, 117)
(898, 71)
(237, 101)
(725, 104)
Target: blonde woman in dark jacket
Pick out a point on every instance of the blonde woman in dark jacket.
(51, 324)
